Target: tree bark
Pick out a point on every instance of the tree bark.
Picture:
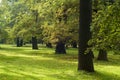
(60, 48)
(102, 55)
(34, 43)
(85, 61)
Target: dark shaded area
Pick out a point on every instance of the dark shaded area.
(49, 45)
(60, 48)
(102, 55)
(34, 43)
(74, 44)
(86, 62)
(19, 42)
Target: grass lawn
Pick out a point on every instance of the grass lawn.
(23, 63)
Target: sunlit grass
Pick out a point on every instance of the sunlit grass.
(23, 63)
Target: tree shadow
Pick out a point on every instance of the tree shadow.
(51, 62)
(105, 76)
(114, 61)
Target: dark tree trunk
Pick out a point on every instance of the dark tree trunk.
(18, 42)
(74, 44)
(49, 45)
(66, 46)
(85, 61)
(102, 55)
(34, 43)
(21, 42)
(60, 48)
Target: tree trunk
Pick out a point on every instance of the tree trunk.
(60, 48)
(21, 42)
(34, 43)
(49, 45)
(74, 44)
(85, 61)
(18, 42)
(102, 55)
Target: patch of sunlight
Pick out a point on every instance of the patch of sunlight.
(70, 72)
(115, 70)
(28, 73)
(1, 66)
(1, 69)
(13, 74)
(6, 71)
(0, 1)
(26, 56)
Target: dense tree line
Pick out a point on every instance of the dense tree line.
(45, 21)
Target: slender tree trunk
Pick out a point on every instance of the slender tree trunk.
(102, 55)
(34, 43)
(60, 48)
(85, 61)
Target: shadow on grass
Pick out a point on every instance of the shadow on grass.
(49, 63)
(114, 60)
(45, 52)
(106, 76)
(19, 63)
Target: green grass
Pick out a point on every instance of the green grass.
(23, 63)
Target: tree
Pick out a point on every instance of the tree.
(62, 19)
(99, 5)
(105, 29)
(85, 61)
(27, 17)
(26, 22)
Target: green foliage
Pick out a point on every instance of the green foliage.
(63, 16)
(105, 28)
(33, 18)
(3, 36)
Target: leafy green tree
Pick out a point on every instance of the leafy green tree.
(26, 22)
(64, 21)
(106, 30)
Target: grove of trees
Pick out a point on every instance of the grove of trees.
(88, 25)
